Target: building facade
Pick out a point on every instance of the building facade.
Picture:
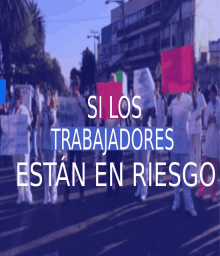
(150, 27)
(214, 51)
(104, 59)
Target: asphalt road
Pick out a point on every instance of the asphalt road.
(103, 226)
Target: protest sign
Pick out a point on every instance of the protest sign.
(14, 137)
(26, 94)
(144, 87)
(106, 90)
(122, 77)
(2, 91)
(158, 70)
(70, 113)
(177, 70)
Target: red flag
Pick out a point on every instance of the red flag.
(106, 90)
(177, 70)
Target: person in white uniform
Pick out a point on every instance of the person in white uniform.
(130, 96)
(40, 103)
(143, 156)
(195, 129)
(211, 150)
(159, 121)
(179, 110)
(148, 114)
(48, 120)
(76, 155)
(24, 193)
(218, 125)
(113, 156)
(99, 123)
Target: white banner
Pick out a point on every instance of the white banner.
(14, 137)
(125, 84)
(144, 87)
(26, 94)
(70, 113)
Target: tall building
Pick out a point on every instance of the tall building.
(214, 51)
(150, 27)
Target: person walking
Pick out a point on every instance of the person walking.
(77, 154)
(179, 110)
(113, 156)
(148, 113)
(195, 129)
(211, 150)
(40, 103)
(4, 110)
(99, 123)
(34, 124)
(207, 92)
(48, 120)
(143, 156)
(130, 96)
(161, 120)
(24, 192)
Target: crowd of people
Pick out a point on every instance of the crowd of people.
(188, 113)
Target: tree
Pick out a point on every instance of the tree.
(26, 60)
(88, 70)
(13, 16)
(57, 78)
(29, 48)
(22, 36)
(75, 72)
(37, 20)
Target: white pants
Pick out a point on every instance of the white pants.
(97, 154)
(156, 156)
(182, 159)
(195, 152)
(142, 157)
(50, 192)
(39, 139)
(24, 192)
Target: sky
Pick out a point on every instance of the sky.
(68, 22)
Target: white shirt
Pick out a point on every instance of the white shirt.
(212, 146)
(161, 118)
(112, 122)
(195, 127)
(22, 110)
(39, 99)
(179, 110)
(94, 103)
(46, 138)
(82, 102)
(118, 122)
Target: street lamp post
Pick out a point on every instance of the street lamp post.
(94, 44)
(96, 37)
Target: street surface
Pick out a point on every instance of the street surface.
(104, 226)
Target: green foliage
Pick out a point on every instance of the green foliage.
(75, 72)
(22, 36)
(13, 17)
(88, 70)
